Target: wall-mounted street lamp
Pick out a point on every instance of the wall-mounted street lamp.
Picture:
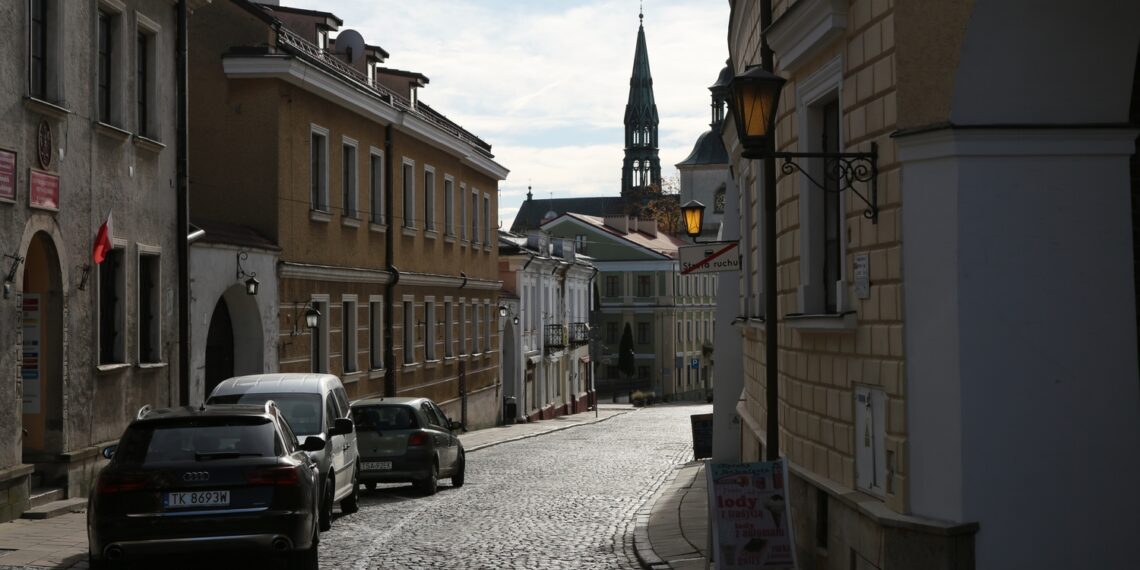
(755, 96)
(84, 273)
(505, 310)
(312, 317)
(252, 283)
(10, 275)
(693, 214)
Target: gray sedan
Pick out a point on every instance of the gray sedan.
(407, 440)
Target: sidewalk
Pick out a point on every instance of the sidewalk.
(670, 531)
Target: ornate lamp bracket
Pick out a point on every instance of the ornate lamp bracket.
(846, 168)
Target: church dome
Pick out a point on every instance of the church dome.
(708, 150)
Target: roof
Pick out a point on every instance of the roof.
(532, 212)
(396, 400)
(305, 12)
(216, 410)
(283, 382)
(641, 108)
(663, 243)
(708, 150)
(233, 234)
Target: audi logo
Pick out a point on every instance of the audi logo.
(191, 476)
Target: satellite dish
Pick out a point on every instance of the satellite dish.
(350, 44)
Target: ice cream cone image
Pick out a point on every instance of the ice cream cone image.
(775, 506)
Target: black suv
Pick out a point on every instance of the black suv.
(215, 478)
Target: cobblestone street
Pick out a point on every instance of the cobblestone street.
(562, 500)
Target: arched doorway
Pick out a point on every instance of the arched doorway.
(219, 347)
(41, 368)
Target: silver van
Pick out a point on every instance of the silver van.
(313, 404)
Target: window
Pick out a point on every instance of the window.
(409, 332)
(489, 324)
(643, 374)
(448, 349)
(319, 339)
(462, 327)
(449, 205)
(112, 311)
(149, 310)
(462, 212)
(718, 200)
(376, 333)
(108, 66)
(832, 213)
(611, 333)
(376, 185)
(349, 182)
(429, 329)
(642, 333)
(146, 77)
(318, 168)
(429, 199)
(486, 220)
(613, 286)
(475, 217)
(472, 326)
(580, 243)
(348, 334)
(44, 50)
(409, 173)
(644, 286)
(475, 330)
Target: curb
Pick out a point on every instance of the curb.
(552, 430)
(643, 548)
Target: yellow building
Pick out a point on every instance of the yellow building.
(384, 210)
(955, 364)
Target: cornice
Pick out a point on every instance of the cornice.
(806, 28)
(413, 279)
(311, 272)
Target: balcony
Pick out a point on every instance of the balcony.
(579, 334)
(555, 338)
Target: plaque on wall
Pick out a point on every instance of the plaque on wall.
(43, 190)
(44, 144)
(7, 175)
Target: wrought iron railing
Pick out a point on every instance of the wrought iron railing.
(555, 337)
(579, 334)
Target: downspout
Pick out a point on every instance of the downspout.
(182, 227)
(394, 273)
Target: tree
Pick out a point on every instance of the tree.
(659, 202)
(626, 363)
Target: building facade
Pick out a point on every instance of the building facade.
(551, 373)
(83, 140)
(925, 402)
(383, 209)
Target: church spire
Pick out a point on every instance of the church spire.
(641, 168)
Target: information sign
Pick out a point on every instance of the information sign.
(43, 190)
(7, 175)
(702, 425)
(710, 257)
(749, 518)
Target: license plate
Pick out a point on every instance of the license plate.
(190, 499)
(376, 465)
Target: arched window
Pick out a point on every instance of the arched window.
(718, 200)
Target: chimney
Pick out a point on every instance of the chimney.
(647, 227)
(618, 222)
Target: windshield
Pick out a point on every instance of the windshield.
(198, 439)
(384, 417)
(302, 411)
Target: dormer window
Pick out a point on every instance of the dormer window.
(370, 71)
(323, 39)
(414, 96)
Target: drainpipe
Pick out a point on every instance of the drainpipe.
(182, 230)
(394, 273)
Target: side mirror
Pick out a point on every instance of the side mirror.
(341, 426)
(313, 443)
(454, 425)
(109, 451)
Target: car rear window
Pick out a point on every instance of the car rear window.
(198, 439)
(302, 411)
(384, 417)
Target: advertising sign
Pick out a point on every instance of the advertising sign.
(710, 257)
(30, 363)
(43, 190)
(749, 517)
(702, 425)
(7, 175)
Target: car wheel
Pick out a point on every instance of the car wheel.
(351, 503)
(431, 484)
(94, 564)
(460, 469)
(307, 559)
(325, 517)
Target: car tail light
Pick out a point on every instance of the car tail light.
(120, 482)
(279, 476)
(418, 438)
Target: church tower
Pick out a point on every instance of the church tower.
(641, 169)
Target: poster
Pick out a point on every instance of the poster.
(749, 516)
(43, 190)
(7, 175)
(30, 363)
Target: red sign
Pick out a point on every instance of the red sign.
(43, 190)
(7, 175)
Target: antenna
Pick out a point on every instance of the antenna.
(350, 44)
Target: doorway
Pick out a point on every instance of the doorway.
(219, 347)
(41, 368)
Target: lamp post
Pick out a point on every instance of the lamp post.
(693, 213)
(755, 97)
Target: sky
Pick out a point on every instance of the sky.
(545, 82)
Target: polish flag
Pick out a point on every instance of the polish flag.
(103, 241)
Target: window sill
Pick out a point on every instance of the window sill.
(411, 366)
(351, 377)
(148, 144)
(409, 231)
(433, 362)
(830, 322)
(152, 365)
(431, 234)
(320, 216)
(378, 228)
(114, 367)
(112, 132)
(448, 239)
(487, 248)
(377, 373)
(46, 107)
(350, 221)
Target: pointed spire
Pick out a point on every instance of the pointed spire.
(641, 168)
